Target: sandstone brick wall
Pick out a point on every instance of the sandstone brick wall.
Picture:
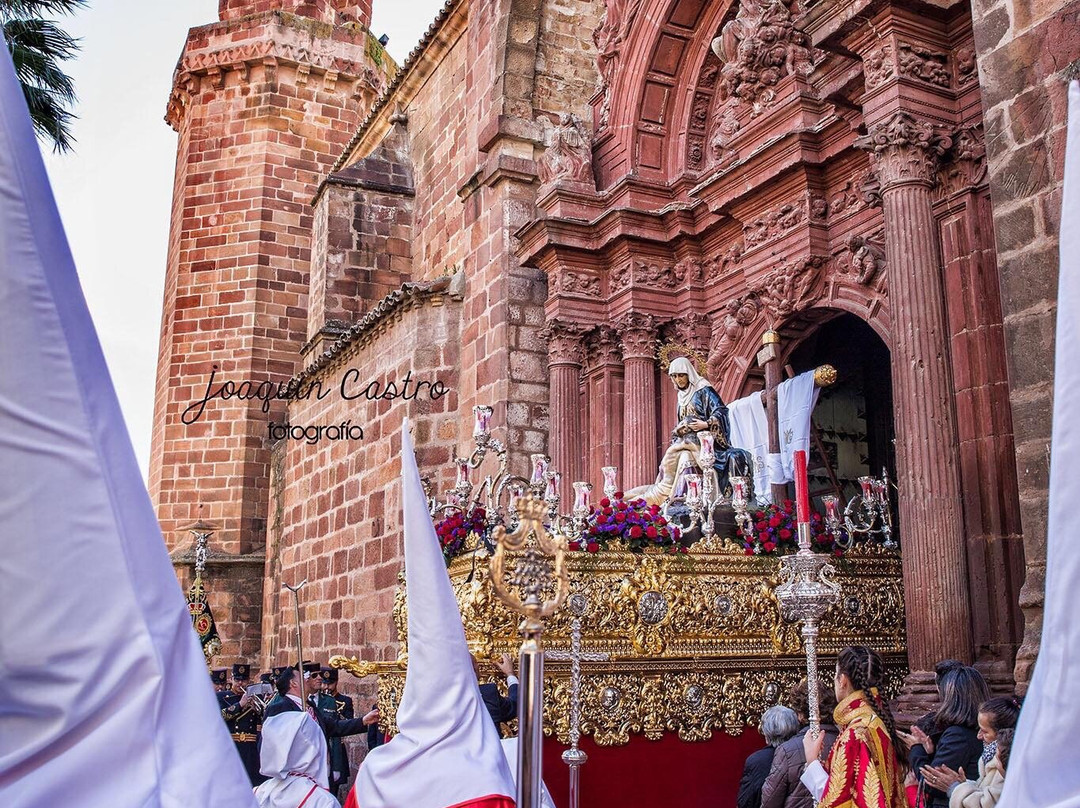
(1027, 51)
(335, 504)
(566, 74)
(261, 104)
(330, 11)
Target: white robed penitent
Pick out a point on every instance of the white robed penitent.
(447, 751)
(105, 700)
(1043, 770)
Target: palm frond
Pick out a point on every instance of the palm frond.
(38, 46)
(12, 9)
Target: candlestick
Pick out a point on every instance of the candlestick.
(463, 474)
(802, 488)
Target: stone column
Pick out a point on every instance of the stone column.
(904, 154)
(604, 391)
(565, 356)
(637, 333)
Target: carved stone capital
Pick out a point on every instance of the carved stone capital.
(637, 335)
(603, 347)
(692, 330)
(904, 150)
(565, 342)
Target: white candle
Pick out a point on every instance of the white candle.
(553, 486)
(483, 419)
(708, 453)
(581, 496)
(540, 467)
(693, 489)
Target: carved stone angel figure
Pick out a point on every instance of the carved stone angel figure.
(700, 409)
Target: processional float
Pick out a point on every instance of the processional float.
(692, 636)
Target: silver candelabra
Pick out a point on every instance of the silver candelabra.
(805, 595)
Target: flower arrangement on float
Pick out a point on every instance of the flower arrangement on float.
(455, 529)
(634, 524)
(773, 530)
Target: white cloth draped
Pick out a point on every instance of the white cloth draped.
(105, 699)
(1039, 773)
(447, 749)
(750, 430)
(795, 399)
(293, 756)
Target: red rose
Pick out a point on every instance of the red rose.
(769, 546)
(761, 525)
(788, 503)
(620, 517)
(574, 545)
(621, 506)
(785, 533)
(593, 530)
(838, 552)
(654, 510)
(661, 521)
(618, 495)
(775, 521)
(749, 551)
(650, 531)
(684, 549)
(592, 547)
(608, 511)
(635, 532)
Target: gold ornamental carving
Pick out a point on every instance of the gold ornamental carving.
(696, 643)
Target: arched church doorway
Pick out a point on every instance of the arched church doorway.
(853, 419)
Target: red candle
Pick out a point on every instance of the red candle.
(802, 488)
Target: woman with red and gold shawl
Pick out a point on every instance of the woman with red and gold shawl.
(864, 769)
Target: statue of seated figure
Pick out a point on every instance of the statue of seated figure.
(700, 409)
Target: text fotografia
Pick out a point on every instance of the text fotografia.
(350, 389)
(314, 434)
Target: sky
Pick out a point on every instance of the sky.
(114, 190)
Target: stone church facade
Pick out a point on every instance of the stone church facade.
(547, 190)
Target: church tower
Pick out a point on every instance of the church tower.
(264, 100)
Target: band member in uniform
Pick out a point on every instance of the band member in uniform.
(220, 678)
(244, 720)
(342, 705)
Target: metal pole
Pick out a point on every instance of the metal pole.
(299, 642)
(574, 757)
(530, 719)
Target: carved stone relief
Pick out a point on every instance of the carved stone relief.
(609, 38)
(758, 48)
(569, 153)
(917, 62)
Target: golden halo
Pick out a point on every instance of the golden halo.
(673, 350)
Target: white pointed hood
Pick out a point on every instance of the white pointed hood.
(447, 752)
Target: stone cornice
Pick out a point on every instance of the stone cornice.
(376, 321)
(261, 43)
